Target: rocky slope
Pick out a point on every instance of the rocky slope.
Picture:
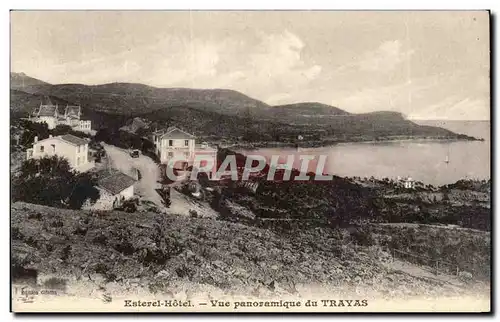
(158, 253)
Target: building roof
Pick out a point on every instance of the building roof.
(68, 138)
(72, 110)
(175, 133)
(114, 181)
(47, 110)
(71, 139)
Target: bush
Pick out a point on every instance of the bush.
(55, 283)
(50, 181)
(193, 213)
(363, 237)
(66, 129)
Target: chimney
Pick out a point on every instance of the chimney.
(36, 139)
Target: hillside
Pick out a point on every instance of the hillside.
(23, 103)
(129, 98)
(168, 254)
(221, 113)
(22, 81)
(310, 112)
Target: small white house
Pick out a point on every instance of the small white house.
(68, 146)
(114, 188)
(408, 183)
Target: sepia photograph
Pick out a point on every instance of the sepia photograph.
(250, 161)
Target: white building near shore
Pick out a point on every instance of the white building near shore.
(408, 182)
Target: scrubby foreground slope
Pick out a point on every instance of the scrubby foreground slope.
(146, 253)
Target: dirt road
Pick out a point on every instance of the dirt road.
(149, 171)
(181, 204)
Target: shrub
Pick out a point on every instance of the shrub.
(57, 223)
(50, 181)
(465, 276)
(184, 271)
(363, 237)
(193, 213)
(55, 283)
(130, 206)
(37, 216)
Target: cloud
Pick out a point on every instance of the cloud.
(395, 97)
(181, 62)
(269, 66)
(385, 58)
(455, 108)
(277, 67)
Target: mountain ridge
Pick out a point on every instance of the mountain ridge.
(241, 115)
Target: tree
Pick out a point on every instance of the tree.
(50, 181)
(32, 130)
(62, 129)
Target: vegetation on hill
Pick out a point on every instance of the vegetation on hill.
(220, 113)
(26, 131)
(309, 109)
(23, 103)
(50, 181)
(160, 252)
(343, 202)
(468, 250)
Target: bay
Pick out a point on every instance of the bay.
(422, 160)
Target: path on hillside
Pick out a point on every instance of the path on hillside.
(181, 204)
(421, 272)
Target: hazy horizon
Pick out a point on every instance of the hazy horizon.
(431, 65)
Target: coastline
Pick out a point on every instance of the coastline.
(327, 143)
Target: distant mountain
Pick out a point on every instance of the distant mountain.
(127, 98)
(310, 109)
(22, 81)
(219, 112)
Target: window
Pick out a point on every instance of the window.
(186, 142)
(78, 149)
(170, 142)
(78, 161)
(186, 155)
(53, 148)
(42, 148)
(170, 154)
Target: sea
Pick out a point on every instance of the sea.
(423, 161)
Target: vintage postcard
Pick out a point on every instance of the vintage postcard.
(250, 161)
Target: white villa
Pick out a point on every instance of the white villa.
(408, 182)
(175, 142)
(50, 115)
(71, 147)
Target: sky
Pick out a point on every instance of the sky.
(426, 65)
